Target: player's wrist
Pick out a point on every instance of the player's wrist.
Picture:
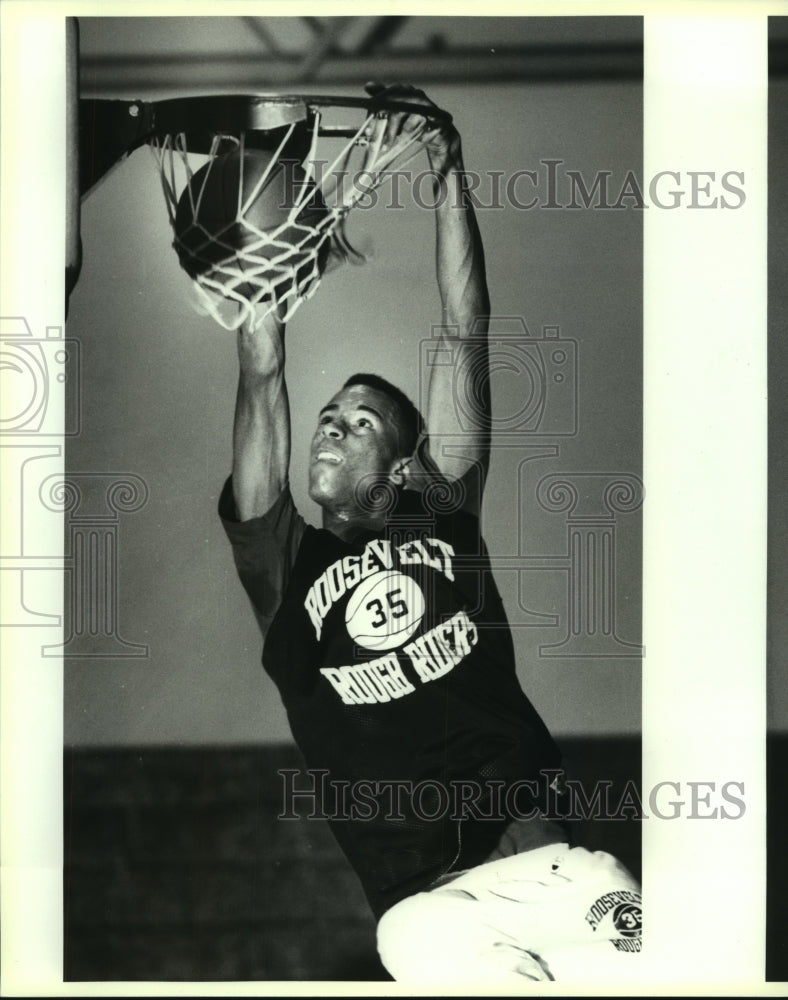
(261, 352)
(446, 158)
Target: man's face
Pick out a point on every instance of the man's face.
(356, 442)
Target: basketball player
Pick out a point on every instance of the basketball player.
(387, 638)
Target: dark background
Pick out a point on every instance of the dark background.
(178, 869)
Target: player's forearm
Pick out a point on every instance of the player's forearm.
(466, 306)
(461, 273)
(261, 430)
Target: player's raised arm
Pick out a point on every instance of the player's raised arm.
(261, 432)
(456, 450)
(465, 305)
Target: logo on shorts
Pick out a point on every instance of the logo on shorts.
(627, 920)
(618, 916)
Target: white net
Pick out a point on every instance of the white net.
(245, 262)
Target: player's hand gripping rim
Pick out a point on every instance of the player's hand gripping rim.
(437, 138)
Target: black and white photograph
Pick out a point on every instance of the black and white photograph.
(384, 553)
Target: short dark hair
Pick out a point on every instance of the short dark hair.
(411, 422)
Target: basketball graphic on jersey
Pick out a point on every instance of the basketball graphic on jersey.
(384, 610)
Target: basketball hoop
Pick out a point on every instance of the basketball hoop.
(255, 210)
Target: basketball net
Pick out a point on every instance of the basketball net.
(270, 272)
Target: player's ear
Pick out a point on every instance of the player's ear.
(400, 471)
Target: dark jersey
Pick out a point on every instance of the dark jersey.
(395, 662)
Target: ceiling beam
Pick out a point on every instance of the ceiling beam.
(134, 76)
(258, 27)
(380, 34)
(322, 45)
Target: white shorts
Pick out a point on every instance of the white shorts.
(552, 913)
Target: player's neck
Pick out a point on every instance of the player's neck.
(347, 525)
